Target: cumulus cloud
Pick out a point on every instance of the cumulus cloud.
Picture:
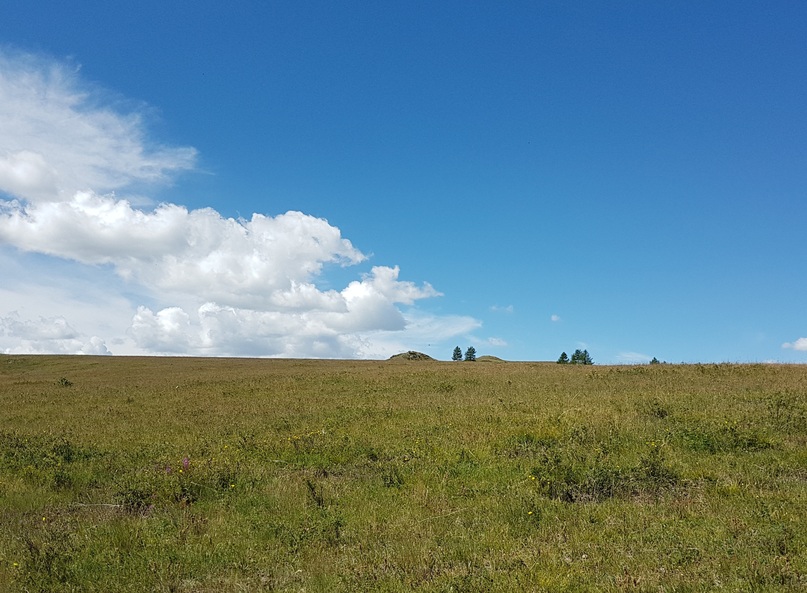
(187, 281)
(341, 326)
(500, 309)
(250, 284)
(237, 262)
(53, 334)
(555, 318)
(800, 345)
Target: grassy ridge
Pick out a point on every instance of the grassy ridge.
(141, 474)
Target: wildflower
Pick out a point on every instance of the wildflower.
(529, 513)
(186, 462)
(16, 565)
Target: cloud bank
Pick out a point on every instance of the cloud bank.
(187, 281)
(48, 335)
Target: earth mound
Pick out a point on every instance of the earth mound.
(411, 355)
(488, 358)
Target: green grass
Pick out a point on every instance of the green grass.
(165, 474)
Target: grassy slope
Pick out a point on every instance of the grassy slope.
(140, 474)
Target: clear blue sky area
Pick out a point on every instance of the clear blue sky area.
(627, 177)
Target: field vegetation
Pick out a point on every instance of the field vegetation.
(224, 475)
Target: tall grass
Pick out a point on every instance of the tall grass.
(159, 474)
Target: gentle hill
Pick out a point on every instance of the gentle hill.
(489, 358)
(411, 355)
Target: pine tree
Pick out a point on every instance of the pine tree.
(457, 354)
(564, 358)
(581, 357)
(470, 354)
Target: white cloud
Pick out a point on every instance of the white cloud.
(25, 173)
(500, 309)
(55, 328)
(633, 358)
(362, 314)
(181, 252)
(260, 300)
(53, 334)
(95, 346)
(165, 331)
(496, 342)
(800, 345)
(58, 139)
(423, 332)
(555, 318)
(166, 279)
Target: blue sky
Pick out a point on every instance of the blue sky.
(523, 177)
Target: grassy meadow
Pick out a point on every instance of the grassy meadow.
(224, 475)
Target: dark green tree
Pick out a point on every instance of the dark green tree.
(457, 354)
(564, 358)
(581, 357)
(655, 361)
(470, 354)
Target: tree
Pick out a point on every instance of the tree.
(655, 361)
(581, 357)
(564, 358)
(457, 354)
(470, 354)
